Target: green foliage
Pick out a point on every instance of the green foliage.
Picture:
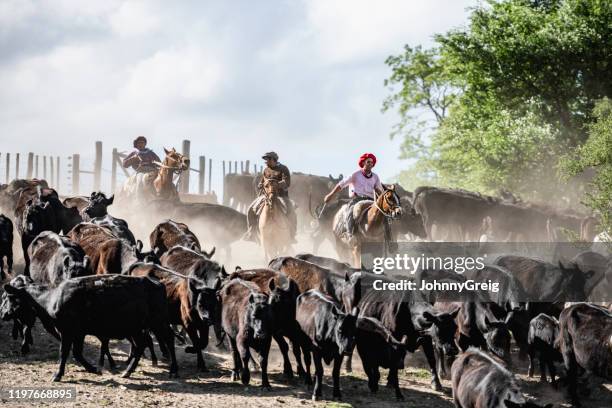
(509, 94)
(596, 154)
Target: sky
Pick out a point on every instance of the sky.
(237, 78)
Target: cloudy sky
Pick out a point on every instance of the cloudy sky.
(237, 78)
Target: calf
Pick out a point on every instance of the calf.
(378, 348)
(55, 258)
(110, 306)
(247, 319)
(283, 293)
(23, 317)
(190, 304)
(344, 289)
(169, 234)
(585, 342)
(35, 218)
(542, 337)
(481, 381)
(327, 332)
(6, 245)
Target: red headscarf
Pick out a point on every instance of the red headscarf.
(365, 157)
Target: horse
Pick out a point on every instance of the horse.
(370, 216)
(274, 224)
(157, 184)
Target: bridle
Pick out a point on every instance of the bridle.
(177, 168)
(392, 206)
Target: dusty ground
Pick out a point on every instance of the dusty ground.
(150, 386)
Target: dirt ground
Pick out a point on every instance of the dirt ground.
(150, 386)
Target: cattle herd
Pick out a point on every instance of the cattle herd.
(86, 274)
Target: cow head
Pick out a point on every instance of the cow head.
(147, 257)
(205, 300)
(13, 303)
(442, 330)
(73, 269)
(282, 298)
(98, 204)
(35, 216)
(259, 316)
(345, 328)
(497, 338)
(575, 282)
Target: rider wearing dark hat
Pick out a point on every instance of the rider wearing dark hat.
(276, 171)
(142, 159)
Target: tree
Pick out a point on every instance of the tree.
(596, 154)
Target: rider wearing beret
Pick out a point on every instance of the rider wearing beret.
(142, 159)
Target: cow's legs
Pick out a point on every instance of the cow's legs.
(542, 367)
(531, 354)
(551, 368)
(236, 357)
(195, 340)
(348, 365)
(298, 358)
(165, 337)
(149, 345)
(138, 348)
(393, 381)
(9, 261)
(245, 356)
(318, 386)
(336, 376)
(77, 352)
(431, 360)
(27, 338)
(284, 349)
(440, 363)
(263, 363)
(64, 352)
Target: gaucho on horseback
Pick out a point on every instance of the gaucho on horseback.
(280, 174)
(363, 185)
(141, 159)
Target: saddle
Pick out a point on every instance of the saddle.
(260, 202)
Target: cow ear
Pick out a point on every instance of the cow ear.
(404, 340)
(92, 195)
(251, 298)
(217, 284)
(271, 284)
(67, 261)
(355, 311)
(346, 277)
(166, 151)
(335, 311)
(110, 199)
(341, 176)
(193, 286)
(139, 245)
(212, 252)
(429, 317)
(487, 322)
(29, 202)
(86, 261)
(237, 268)
(455, 312)
(223, 272)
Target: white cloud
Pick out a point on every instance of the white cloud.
(135, 18)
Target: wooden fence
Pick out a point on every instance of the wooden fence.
(49, 168)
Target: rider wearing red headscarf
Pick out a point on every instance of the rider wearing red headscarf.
(362, 186)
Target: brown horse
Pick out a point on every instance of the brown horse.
(274, 224)
(369, 227)
(157, 184)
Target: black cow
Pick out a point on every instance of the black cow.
(248, 320)
(378, 348)
(6, 245)
(55, 258)
(542, 337)
(481, 381)
(97, 206)
(23, 317)
(327, 332)
(110, 306)
(585, 342)
(283, 293)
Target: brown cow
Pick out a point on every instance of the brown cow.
(168, 234)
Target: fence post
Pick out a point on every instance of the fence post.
(44, 167)
(30, 165)
(210, 175)
(52, 177)
(201, 175)
(57, 173)
(97, 167)
(241, 167)
(235, 166)
(185, 176)
(8, 163)
(247, 166)
(114, 172)
(76, 173)
(17, 167)
(36, 166)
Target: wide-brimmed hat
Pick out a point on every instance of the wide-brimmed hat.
(270, 155)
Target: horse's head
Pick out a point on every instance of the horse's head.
(175, 160)
(389, 202)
